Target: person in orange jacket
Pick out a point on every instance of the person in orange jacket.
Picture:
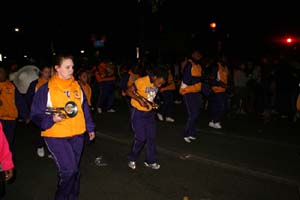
(190, 89)
(218, 99)
(12, 106)
(64, 136)
(105, 76)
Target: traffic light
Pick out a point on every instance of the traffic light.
(289, 40)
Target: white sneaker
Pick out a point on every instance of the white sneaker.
(99, 110)
(215, 125)
(111, 110)
(192, 138)
(218, 125)
(187, 139)
(160, 117)
(152, 166)
(211, 124)
(132, 164)
(170, 119)
(40, 152)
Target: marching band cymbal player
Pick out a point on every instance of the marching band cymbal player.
(64, 137)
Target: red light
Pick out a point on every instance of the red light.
(289, 40)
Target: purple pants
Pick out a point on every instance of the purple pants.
(107, 95)
(192, 102)
(144, 127)
(217, 106)
(67, 153)
(167, 108)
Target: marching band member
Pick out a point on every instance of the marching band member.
(167, 94)
(190, 89)
(12, 105)
(218, 98)
(45, 74)
(143, 93)
(64, 137)
(105, 76)
(83, 80)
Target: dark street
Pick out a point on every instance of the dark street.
(245, 160)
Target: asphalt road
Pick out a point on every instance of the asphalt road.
(246, 160)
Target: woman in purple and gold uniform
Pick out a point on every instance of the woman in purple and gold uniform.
(64, 136)
(143, 93)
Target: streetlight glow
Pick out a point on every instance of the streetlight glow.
(17, 30)
(213, 25)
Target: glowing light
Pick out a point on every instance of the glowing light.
(213, 25)
(289, 40)
(137, 52)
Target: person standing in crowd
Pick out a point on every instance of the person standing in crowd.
(142, 92)
(190, 89)
(45, 74)
(218, 98)
(6, 162)
(240, 86)
(167, 94)
(12, 105)
(64, 136)
(105, 76)
(83, 80)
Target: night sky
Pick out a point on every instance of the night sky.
(69, 26)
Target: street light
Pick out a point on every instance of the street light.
(213, 25)
(17, 29)
(82, 51)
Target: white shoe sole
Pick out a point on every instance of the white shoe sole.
(186, 139)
